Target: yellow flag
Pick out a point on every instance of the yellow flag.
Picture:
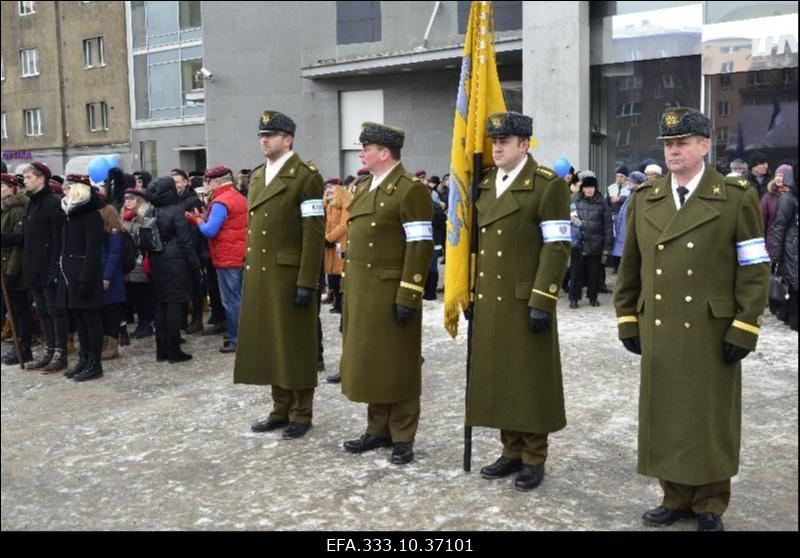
(479, 95)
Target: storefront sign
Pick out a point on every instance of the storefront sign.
(9, 155)
(765, 43)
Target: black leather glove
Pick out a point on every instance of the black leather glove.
(404, 314)
(540, 320)
(302, 297)
(633, 345)
(84, 289)
(330, 244)
(732, 354)
(468, 313)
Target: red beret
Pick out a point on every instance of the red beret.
(9, 178)
(180, 172)
(334, 181)
(42, 168)
(79, 178)
(56, 187)
(216, 172)
(362, 171)
(135, 191)
(420, 174)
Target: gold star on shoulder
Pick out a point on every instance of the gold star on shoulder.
(528, 182)
(655, 190)
(716, 190)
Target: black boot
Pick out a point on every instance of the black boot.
(43, 360)
(178, 356)
(57, 363)
(124, 340)
(93, 370)
(161, 346)
(83, 362)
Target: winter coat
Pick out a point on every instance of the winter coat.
(783, 243)
(80, 260)
(111, 264)
(689, 280)
(515, 377)
(173, 269)
(769, 208)
(278, 341)
(597, 228)
(42, 229)
(132, 226)
(439, 224)
(118, 182)
(228, 248)
(388, 256)
(336, 216)
(13, 216)
(619, 227)
(189, 201)
(762, 187)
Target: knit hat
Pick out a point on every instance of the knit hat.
(589, 181)
(783, 169)
(637, 177)
(654, 168)
(622, 170)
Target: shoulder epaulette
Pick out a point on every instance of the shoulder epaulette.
(544, 172)
(309, 165)
(648, 184)
(738, 181)
(362, 178)
(258, 167)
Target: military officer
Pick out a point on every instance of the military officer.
(524, 242)
(390, 246)
(285, 240)
(692, 286)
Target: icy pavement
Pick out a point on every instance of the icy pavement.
(157, 446)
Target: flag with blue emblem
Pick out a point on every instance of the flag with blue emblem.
(479, 95)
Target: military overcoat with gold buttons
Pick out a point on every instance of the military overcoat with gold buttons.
(688, 280)
(389, 251)
(515, 375)
(278, 341)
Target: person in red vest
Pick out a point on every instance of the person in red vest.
(226, 231)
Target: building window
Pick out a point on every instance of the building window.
(29, 62)
(507, 16)
(5, 127)
(27, 8)
(631, 83)
(670, 82)
(358, 22)
(33, 122)
(727, 67)
(97, 117)
(629, 109)
(754, 79)
(168, 84)
(722, 134)
(165, 23)
(723, 108)
(724, 83)
(94, 53)
(149, 156)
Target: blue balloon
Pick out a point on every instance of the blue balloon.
(561, 166)
(98, 169)
(114, 161)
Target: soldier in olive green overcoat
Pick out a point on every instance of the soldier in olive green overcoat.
(285, 239)
(389, 250)
(692, 286)
(515, 371)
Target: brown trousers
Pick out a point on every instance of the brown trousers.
(705, 498)
(292, 405)
(397, 421)
(530, 447)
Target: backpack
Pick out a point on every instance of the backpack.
(130, 252)
(149, 237)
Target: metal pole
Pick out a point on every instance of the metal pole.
(477, 160)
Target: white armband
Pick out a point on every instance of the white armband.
(752, 251)
(418, 230)
(312, 208)
(555, 231)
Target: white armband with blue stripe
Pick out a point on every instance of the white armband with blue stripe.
(312, 208)
(555, 231)
(418, 230)
(752, 251)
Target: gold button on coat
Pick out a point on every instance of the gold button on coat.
(660, 246)
(688, 298)
(658, 297)
(483, 230)
(372, 224)
(658, 322)
(499, 253)
(690, 245)
(689, 272)
(658, 272)
(687, 325)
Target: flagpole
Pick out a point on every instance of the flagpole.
(477, 160)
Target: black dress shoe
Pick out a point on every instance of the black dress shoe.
(334, 379)
(269, 424)
(710, 522)
(501, 468)
(594, 303)
(227, 348)
(366, 443)
(296, 430)
(661, 516)
(529, 477)
(402, 453)
(573, 303)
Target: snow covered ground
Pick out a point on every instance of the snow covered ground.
(157, 446)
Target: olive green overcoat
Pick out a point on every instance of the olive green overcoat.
(278, 341)
(383, 267)
(682, 289)
(515, 374)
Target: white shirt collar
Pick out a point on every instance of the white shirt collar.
(502, 185)
(376, 180)
(691, 186)
(272, 169)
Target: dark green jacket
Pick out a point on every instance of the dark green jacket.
(682, 290)
(515, 382)
(13, 214)
(383, 267)
(278, 342)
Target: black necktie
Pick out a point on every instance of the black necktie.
(682, 191)
(505, 176)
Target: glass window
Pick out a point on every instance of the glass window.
(627, 101)
(760, 117)
(138, 24)
(149, 157)
(358, 22)
(2, 68)
(724, 83)
(33, 122)
(29, 62)
(605, 9)
(97, 117)
(189, 15)
(27, 8)
(94, 52)
(5, 127)
(507, 16)
(162, 23)
(718, 12)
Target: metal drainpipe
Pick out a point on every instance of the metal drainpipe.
(430, 24)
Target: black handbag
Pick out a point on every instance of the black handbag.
(777, 289)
